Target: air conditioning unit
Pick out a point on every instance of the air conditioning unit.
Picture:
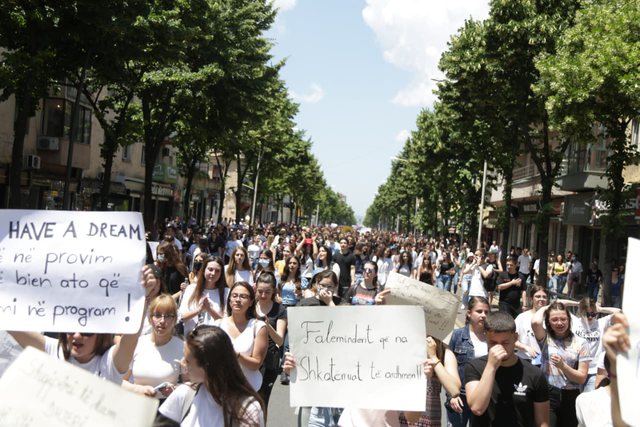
(50, 143)
(33, 162)
(120, 178)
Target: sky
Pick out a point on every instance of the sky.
(362, 71)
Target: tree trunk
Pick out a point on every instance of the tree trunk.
(108, 152)
(506, 224)
(187, 191)
(23, 102)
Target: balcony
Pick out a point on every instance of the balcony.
(583, 167)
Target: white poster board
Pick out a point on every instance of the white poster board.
(362, 357)
(440, 307)
(39, 390)
(65, 271)
(628, 365)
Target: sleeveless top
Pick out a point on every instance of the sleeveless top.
(243, 343)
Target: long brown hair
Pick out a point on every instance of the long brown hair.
(200, 283)
(233, 267)
(172, 258)
(211, 347)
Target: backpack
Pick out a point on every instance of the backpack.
(489, 283)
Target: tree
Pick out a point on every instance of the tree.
(593, 78)
(31, 62)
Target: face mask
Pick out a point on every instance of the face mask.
(264, 263)
(197, 266)
(160, 258)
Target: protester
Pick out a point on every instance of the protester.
(223, 396)
(156, 359)
(248, 335)
(441, 369)
(171, 267)
(527, 345)
(238, 269)
(512, 290)
(274, 315)
(365, 291)
(590, 327)
(490, 381)
(565, 361)
(203, 302)
(467, 343)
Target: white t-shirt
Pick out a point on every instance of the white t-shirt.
(205, 318)
(593, 335)
(243, 343)
(254, 251)
(241, 276)
(476, 289)
(525, 333)
(524, 261)
(101, 366)
(593, 408)
(153, 365)
(205, 412)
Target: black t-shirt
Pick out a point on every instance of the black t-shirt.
(277, 312)
(593, 276)
(511, 295)
(515, 390)
(345, 261)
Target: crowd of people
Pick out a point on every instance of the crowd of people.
(214, 338)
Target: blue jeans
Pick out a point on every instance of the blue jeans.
(444, 282)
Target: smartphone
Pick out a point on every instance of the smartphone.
(160, 387)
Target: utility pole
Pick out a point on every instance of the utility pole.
(484, 184)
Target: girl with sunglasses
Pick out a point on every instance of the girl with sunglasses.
(590, 325)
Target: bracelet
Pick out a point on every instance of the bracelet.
(436, 364)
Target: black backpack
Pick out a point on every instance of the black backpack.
(490, 282)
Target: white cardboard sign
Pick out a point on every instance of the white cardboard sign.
(440, 307)
(65, 271)
(628, 365)
(361, 357)
(39, 390)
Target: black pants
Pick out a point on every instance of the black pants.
(563, 407)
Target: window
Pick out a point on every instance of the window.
(635, 134)
(142, 155)
(53, 117)
(56, 120)
(126, 153)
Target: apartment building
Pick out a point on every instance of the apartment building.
(46, 158)
(576, 209)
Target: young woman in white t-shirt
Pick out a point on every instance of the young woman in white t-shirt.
(156, 359)
(223, 397)
(203, 302)
(96, 353)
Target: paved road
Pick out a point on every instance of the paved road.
(281, 415)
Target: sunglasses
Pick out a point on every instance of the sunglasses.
(369, 270)
(592, 315)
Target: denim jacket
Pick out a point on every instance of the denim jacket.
(462, 346)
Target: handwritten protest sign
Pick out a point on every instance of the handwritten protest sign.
(440, 307)
(71, 271)
(9, 350)
(39, 390)
(361, 357)
(628, 365)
